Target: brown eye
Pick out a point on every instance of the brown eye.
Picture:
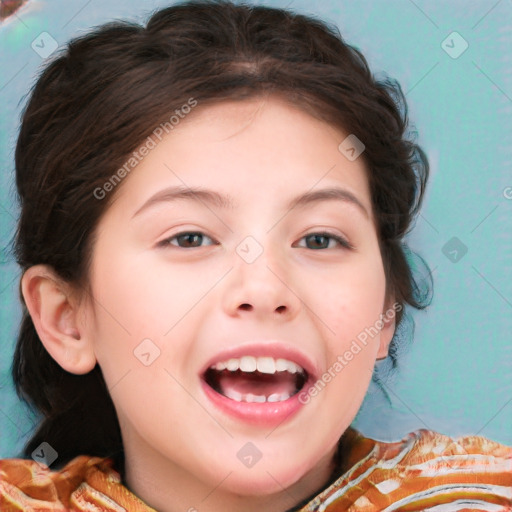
(187, 239)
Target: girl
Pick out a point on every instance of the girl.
(213, 209)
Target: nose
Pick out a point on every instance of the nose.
(260, 284)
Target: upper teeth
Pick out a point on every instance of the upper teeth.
(262, 364)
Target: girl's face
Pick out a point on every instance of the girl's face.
(221, 249)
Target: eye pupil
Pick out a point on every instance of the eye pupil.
(318, 238)
(189, 236)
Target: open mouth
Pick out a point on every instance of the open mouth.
(256, 379)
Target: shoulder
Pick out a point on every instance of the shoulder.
(84, 483)
(423, 470)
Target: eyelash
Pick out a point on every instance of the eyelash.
(340, 240)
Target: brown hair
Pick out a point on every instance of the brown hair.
(103, 96)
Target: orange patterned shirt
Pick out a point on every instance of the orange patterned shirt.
(425, 471)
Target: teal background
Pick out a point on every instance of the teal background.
(456, 377)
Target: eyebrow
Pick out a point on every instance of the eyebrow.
(202, 195)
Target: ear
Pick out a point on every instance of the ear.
(55, 313)
(388, 328)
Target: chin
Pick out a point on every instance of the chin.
(265, 478)
(247, 484)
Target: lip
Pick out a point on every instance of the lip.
(266, 413)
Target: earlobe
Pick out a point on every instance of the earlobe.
(55, 315)
(386, 334)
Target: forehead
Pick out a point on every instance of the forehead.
(261, 148)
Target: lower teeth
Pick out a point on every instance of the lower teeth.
(250, 398)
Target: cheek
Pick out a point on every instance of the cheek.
(135, 302)
(146, 297)
(352, 300)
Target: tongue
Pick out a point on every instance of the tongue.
(257, 383)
